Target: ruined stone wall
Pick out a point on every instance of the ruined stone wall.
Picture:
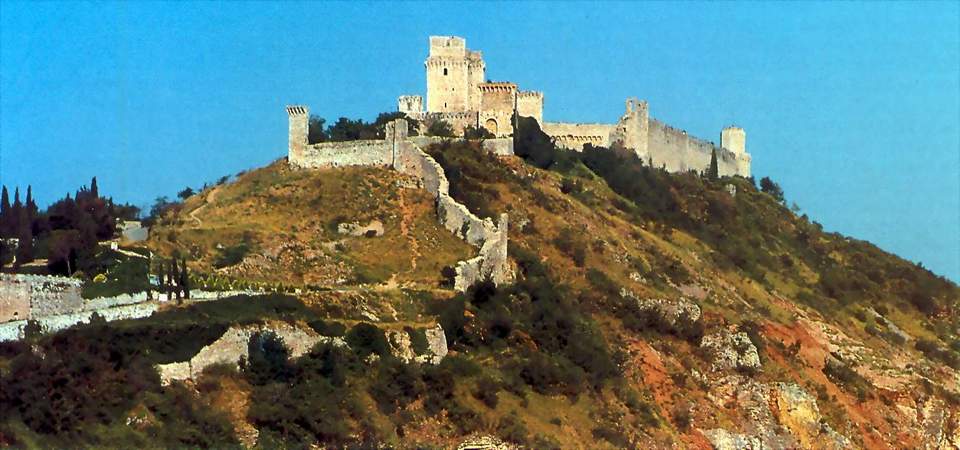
(574, 136)
(24, 297)
(233, 345)
(14, 299)
(677, 151)
(491, 262)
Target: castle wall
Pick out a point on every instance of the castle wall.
(491, 262)
(24, 297)
(340, 154)
(457, 120)
(573, 136)
(677, 151)
(410, 104)
(530, 104)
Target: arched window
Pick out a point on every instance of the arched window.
(491, 126)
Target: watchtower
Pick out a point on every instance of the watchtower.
(299, 116)
(453, 73)
(734, 139)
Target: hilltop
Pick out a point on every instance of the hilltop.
(649, 310)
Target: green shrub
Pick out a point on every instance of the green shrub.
(365, 339)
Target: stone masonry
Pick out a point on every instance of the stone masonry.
(402, 153)
(458, 93)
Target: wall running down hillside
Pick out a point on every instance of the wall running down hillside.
(403, 154)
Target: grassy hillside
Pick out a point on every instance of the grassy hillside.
(276, 225)
(564, 358)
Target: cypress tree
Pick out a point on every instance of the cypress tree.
(25, 240)
(174, 280)
(184, 278)
(4, 212)
(713, 173)
(94, 191)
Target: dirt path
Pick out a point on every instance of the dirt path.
(406, 223)
(211, 196)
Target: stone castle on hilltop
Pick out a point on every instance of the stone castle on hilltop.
(458, 93)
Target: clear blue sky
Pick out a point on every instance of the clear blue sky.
(853, 108)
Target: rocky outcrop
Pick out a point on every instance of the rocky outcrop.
(676, 316)
(798, 412)
(731, 351)
(775, 415)
(374, 228)
(401, 345)
(484, 443)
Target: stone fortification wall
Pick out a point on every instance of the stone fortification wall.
(679, 152)
(350, 153)
(24, 297)
(573, 136)
(457, 120)
(491, 263)
(233, 345)
(404, 155)
(530, 104)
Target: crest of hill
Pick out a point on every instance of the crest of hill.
(321, 228)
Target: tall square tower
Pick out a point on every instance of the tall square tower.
(453, 73)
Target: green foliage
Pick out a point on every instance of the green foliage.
(568, 243)
(713, 172)
(232, 255)
(471, 173)
(312, 406)
(125, 275)
(268, 359)
(770, 187)
(396, 384)
(475, 133)
(365, 339)
(328, 328)
(440, 128)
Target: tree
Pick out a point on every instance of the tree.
(440, 128)
(713, 173)
(472, 132)
(771, 188)
(94, 191)
(6, 253)
(174, 280)
(185, 193)
(5, 215)
(315, 129)
(25, 240)
(184, 278)
(62, 251)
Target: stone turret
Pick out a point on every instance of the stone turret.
(299, 116)
(734, 139)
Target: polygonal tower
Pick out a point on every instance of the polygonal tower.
(453, 73)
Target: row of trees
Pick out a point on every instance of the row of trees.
(66, 233)
(345, 129)
(174, 279)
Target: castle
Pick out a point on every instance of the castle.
(458, 93)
